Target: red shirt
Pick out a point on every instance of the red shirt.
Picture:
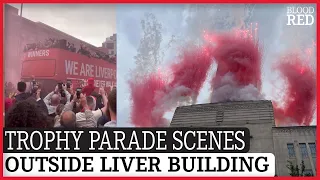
(88, 90)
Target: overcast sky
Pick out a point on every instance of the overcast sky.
(274, 35)
(92, 23)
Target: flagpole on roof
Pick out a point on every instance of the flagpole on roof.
(19, 39)
(21, 9)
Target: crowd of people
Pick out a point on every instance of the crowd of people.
(48, 43)
(62, 108)
(63, 44)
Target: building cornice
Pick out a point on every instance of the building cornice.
(311, 130)
(224, 106)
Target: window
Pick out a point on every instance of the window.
(312, 147)
(303, 150)
(308, 172)
(220, 116)
(291, 151)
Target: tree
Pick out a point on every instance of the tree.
(295, 170)
(149, 54)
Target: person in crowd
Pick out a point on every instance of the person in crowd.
(103, 119)
(7, 104)
(76, 108)
(52, 100)
(25, 113)
(22, 94)
(39, 45)
(70, 47)
(9, 101)
(40, 103)
(31, 46)
(59, 110)
(8, 88)
(112, 109)
(80, 50)
(70, 89)
(88, 90)
(99, 105)
(48, 43)
(73, 49)
(99, 100)
(55, 43)
(68, 120)
(86, 118)
(63, 100)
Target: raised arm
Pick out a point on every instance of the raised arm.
(89, 115)
(47, 99)
(40, 103)
(70, 104)
(105, 100)
(68, 95)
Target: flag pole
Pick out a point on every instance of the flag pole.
(19, 40)
(21, 9)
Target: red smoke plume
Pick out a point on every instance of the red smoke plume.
(153, 96)
(143, 94)
(237, 54)
(300, 93)
(191, 71)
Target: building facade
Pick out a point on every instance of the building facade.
(295, 144)
(258, 117)
(111, 44)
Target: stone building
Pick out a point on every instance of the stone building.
(286, 143)
(111, 44)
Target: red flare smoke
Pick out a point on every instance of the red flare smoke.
(300, 94)
(236, 53)
(239, 55)
(191, 71)
(143, 96)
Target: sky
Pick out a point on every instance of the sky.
(274, 35)
(92, 23)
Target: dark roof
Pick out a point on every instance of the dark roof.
(224, 113)
(223, 105)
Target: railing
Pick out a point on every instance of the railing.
(63, 44)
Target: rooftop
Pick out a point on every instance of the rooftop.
(224, 105)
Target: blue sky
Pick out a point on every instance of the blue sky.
(274, 35)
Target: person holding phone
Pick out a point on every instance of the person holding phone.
(87, 118)
(52, 100)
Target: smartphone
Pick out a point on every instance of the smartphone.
(68, 84)
(78, 92)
